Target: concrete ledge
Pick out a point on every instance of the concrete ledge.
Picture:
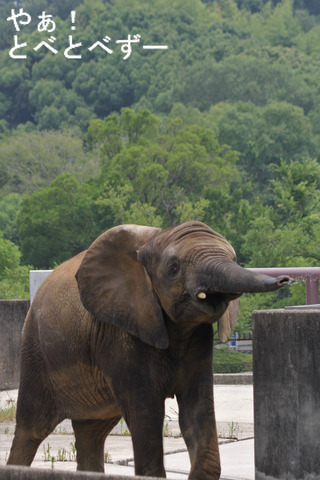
(12, 315)
(233, 378)
(27, 473)
(286, 359)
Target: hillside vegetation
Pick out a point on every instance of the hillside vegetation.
(223, 126)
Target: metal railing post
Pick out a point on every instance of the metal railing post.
(312, 291)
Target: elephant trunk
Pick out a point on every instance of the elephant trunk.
(226, 276)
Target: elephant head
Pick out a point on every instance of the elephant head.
(132, 274)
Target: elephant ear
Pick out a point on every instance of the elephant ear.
(115, 288)
(228, 320)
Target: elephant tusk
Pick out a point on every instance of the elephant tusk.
(202, 295)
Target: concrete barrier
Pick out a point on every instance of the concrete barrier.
(286, 376)
(12, 315)
(26, 473)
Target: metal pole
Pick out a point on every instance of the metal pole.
(312, 291)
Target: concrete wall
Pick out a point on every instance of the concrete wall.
(12, 315)
(25, 473)
(286, 376)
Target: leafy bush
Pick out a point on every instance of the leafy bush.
(229, 361)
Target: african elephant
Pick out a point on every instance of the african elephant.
(117, 329)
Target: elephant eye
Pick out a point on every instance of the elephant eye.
(174, 269)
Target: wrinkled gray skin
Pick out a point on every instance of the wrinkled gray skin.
(119, 328)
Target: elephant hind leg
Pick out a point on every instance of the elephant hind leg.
(24, 448)
(28, 436)
(90, 438)
(37, 416)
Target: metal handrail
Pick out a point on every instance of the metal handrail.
(311, 275)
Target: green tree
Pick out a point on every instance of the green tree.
(296, 188)
(9, 207)
(37, 158)
(140, 124)
(264, 135)
(286, 233)
(105, 135)
(253, 6)
(311, 5)
(277, 25)
(56, 222)
(171, 177)
(105, 87)
(14, 278)
(14, 88)
(56, 106)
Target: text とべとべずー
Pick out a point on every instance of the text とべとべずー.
(73, 49)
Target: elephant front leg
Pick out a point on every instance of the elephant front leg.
(198, 427)
(145, 422)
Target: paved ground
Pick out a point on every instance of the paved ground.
(234, 413)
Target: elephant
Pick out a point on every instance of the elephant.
(119, 328)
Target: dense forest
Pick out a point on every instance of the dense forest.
(97, 128)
